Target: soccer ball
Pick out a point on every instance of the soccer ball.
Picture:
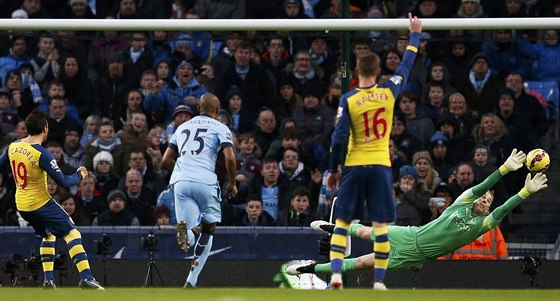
(537, 160)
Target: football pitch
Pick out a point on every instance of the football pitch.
(273, 294)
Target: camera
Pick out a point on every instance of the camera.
(12, 265)
(530, 266)
(149, 243)
(439, 202)
(103, 245)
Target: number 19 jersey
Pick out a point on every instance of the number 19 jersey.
(197, 143)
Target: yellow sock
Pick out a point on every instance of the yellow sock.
(78, 254)
(338, 244)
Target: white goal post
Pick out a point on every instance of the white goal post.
(275, 24)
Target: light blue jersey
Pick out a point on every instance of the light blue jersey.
(197, 143)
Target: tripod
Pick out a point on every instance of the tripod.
(152, 266)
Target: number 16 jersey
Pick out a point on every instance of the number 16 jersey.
(197, 143)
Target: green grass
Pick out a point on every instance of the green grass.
(248, 294)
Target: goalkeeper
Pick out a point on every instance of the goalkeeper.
(465, 220)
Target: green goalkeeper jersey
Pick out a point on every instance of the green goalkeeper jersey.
(456, 227)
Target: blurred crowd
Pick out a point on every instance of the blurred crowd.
(115, 98)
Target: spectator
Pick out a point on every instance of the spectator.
(492, 132)
(479, 163)
(161, 216)
(417, 125)
(184, 89)
(427, 175)
(181, 114)
(104, 46)
(300, 212)
(167, 199)
(16, 57)
(72, 152)
(462, 114)
(182, 49)
(90, 198)
(151, 180)
(252, 79)
(437, 207)
(505, 55)
(479, 86)
(254, 214)
(314, 120)
(288, 101)
(78, 89)
(527, 106)
(273, 190)
(489, 246)
(54, 190)
(22, 99)
(405, 142)
(139, 200)
(303, 72)
(464, 179)
(112, 88)
(225, 58)
(155, 149)
(47, 62)
(265, 133)
(411, 198)
(91, 127)
(398, 159)
(544, 54)
(72, 207)
(438, 73)
(9, 118)
(518, 128)
(134, 134)
(276, 57)
(294, 172)
(59, 121)
(134, 100)
(138, 53)
(107, 142)
(56, 150)
(117, 214)
(438, 150)
(243, 121)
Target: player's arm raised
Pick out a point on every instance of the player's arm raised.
(514, 162)
(48, 163)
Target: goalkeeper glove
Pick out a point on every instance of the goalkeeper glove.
(538, 182)
(514, 162)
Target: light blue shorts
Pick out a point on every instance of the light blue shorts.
(197, 202)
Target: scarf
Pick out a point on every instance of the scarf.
(479, 84)
(318, 58)
(242, 71)
(303, 78)
(135, 55)
(108, 146)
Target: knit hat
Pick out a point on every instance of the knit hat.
(292, 2)
(181, 39)
(233, 90)
(181, 64)
(102, 156)
(182, 108)
(448, 118)
(438, 138)
(19, 14)
(421, 155)
(5, 91)
(115, 193)
(79, 1)
(161, 210)
(408, 170)
(74, 127)
(506, 91)
(479, 55)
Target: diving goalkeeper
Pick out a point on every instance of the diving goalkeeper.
(465, 220)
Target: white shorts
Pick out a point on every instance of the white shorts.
(197, 202)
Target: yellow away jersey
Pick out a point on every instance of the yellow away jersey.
(30, 178)
(371, 117)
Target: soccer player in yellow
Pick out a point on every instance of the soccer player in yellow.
(364, 119)
(30, 163)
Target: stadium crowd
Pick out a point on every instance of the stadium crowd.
(115, 98)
